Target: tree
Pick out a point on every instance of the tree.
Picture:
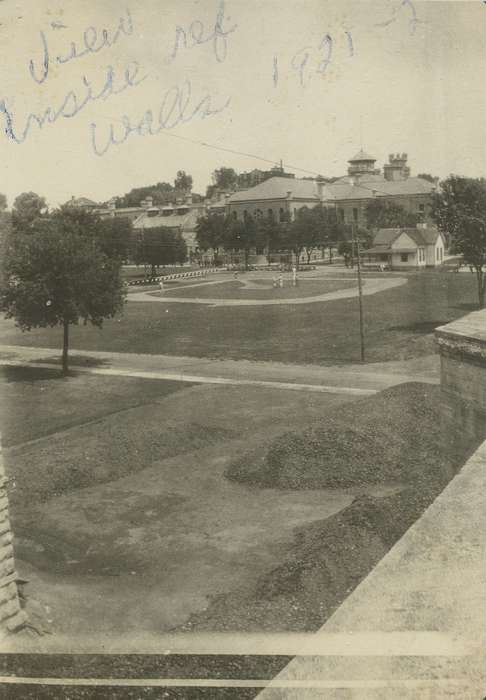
(161, 193)
(3, 202)
(459, 210)
(224, 178)
(428, 177)
(183, 181)
(112, 236)
(243, 235)
(323, 229)
(56, 277)
(381, 213)
(161, 246)
(27, 208)
(211, 233)
(270, 235)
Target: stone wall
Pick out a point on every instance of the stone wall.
(462, 347)
(12, 617)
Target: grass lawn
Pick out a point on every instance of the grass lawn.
(399, 325)
(235, 289)
(124, 520)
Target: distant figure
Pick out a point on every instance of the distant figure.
(274, 281)
(294, 276)
(161, 285)
(235, 275)
(280, 281)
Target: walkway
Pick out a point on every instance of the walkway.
(339, 379)
(370, 286)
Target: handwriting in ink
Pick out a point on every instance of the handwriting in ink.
(313, 60)
(196, 35)
(71, 104)
(413, 21)
(92, 42)
(174, 109)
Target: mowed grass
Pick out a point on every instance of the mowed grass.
(63, 434)
(235, 289)
(399, 324)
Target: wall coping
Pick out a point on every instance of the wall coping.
(464, 338)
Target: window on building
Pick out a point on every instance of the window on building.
(282, 214)
(235, 215)
(421, 207)
(270, 214)
(437, 254)
(245, 214)
(404, 257)
(258, 213)
(341, 214)
(355, 214)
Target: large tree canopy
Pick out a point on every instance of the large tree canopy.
(183, 181)
(161, 193)
(27, 208)
(459, 209)
(53, 275)
(211, 232)
(381, 213)
(160, 246)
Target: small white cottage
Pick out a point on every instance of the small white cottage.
(407, 248)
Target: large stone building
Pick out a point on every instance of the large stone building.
(350, 194)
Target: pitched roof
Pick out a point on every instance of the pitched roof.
(277, 188)
(82, 202)
(361, 155)
(420, 236)
(369, 186)
(185, 222)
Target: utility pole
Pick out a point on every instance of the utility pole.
(360, 292)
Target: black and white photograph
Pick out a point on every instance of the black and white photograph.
(242, 350)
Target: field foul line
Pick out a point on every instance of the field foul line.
(197, 379)
(232, 683)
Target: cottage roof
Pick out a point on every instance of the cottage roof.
(420, 236)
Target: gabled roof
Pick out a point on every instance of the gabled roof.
(82, 202)
(183, 221)
(370, 186)
(361, 155)
(420, 236)
(277, 188)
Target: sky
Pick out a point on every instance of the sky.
(195, 85)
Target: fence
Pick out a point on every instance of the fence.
(176, 276)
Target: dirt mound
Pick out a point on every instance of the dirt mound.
(391, 436)
(327, 561)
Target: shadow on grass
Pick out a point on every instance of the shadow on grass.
(424, 327)
(467, 306)
(74, 361)
(28, 374)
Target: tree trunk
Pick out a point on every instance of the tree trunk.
(65, 345)
(247, 258)
(330, 255)
(153, 273)
(481, 286)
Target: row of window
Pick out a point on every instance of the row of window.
(341, 213)
(259, 214)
